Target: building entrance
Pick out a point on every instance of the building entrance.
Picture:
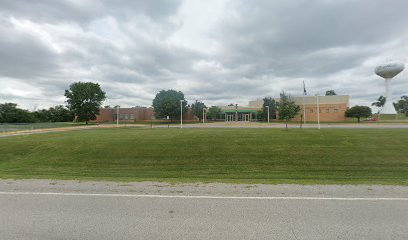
(230, 117)
(246, 117)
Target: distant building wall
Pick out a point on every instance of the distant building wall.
(125, 114)
(105, 115)
(136, 114)
(328, 112)
(332, 108)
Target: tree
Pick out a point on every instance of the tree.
(358, 112)
(10, 113)
(213, 112)
(61, 114)
(54, 114)
(42, 115)
(330, 93)
(85, 100)
(379, 103)
(260, 115)
(198, 109)
(268, 101)
(167, 103)
(402, 105)
(287, 108)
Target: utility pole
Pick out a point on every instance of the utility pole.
(268, 113)
(203, 114)
(318, 111)
(181, 115)
(117, 116)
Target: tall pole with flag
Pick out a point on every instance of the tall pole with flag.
(318, 111)
(304, 104)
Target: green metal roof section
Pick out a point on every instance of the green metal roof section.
(240, 111)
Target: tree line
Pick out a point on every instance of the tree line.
(84, 100)
(170, 103)
(11, 113)
(401, 106)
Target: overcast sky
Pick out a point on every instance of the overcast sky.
(216, 51)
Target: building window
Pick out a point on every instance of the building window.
(336, 110)
(132, 116)
(122, 117)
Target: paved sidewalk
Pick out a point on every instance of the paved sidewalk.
(282, 125)
(64, 129)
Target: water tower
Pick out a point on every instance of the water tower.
(388, 71)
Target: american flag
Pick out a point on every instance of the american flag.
(304, 89)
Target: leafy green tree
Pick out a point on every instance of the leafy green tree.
(330, 93)
(85, 100)
(402, 105)
(10, 113)
(260, 115)
(54, 114)
(213, 112)
(167, 103)
(358, 112)
(198, 109)
(287, 108)
(273, 107)
(61, 114)
(379, 103)
(42, 115)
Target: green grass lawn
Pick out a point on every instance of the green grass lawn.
(305, 156)
(11, 127)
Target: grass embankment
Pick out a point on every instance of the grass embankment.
(349, 156)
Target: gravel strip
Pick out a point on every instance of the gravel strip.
(198, 189)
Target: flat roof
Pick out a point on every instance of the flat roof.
(309, 100)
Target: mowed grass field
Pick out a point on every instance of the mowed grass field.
(304, 156)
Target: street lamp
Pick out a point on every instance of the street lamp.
(117, 116)
(268, 113)
(203, 114)
(318, 111)
(181, 115)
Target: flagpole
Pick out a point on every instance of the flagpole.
(304, 104)
(304, 110)
(318, 111)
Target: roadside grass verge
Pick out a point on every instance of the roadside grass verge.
(302, 156)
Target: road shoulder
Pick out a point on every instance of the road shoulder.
(204, 189)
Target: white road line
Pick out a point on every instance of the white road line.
(204, 197)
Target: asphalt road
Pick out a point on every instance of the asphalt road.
(29, 215)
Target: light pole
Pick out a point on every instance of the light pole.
(203, 114)
(117, 116)
(181, 115)
(304, 110)
(318, 111)
(304, 103)
(268, 113)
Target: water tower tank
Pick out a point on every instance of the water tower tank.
(388, 71)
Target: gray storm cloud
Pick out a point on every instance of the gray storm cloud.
(219, 52)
